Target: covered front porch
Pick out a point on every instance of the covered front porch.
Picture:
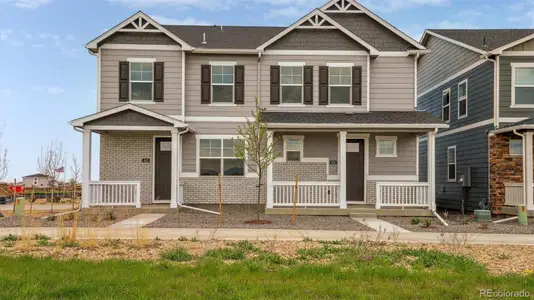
(350, 167)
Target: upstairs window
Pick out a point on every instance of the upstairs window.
(340, 85)
(222, 84)
(523, 84)
(291, 84)
(216, 155)
(446, 105)
(451, 161)
(462, 99)
(141, 81)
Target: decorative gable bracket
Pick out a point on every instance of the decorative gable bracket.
(139, 24)
(342, 6)
(316, 22)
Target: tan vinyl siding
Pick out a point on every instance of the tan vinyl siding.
(193, 107)
(445, 59)
(526, 46)
(109, 94)
(403, 164)
(269, 60)
(392, 83)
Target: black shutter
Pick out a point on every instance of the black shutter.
(308, 85)
(205, 84)
(275, 84)
(239, 84)
(158, 81)
(323, 85)
(357, 85)
(124, 81)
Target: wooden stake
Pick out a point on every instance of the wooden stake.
(32, 198)
(220, 199)
(295, 190)
(14, 195)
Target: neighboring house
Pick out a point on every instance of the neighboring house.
(339, 89)
(36, 180)
(481, 82)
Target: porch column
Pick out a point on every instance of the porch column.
(175, 185)
(86, 168)
(343, 169)
(431, 160)
(529, 178)
(270, 188)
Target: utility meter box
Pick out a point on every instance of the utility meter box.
(19, 206)
(465, 179)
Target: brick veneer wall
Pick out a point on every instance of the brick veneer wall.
(121, 155)
(235, 190)
(371, 192)
(307, 171)
(503, 167)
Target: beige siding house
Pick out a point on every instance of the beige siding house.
(339, 100)
(35, 180)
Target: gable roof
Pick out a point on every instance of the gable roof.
(483, 40)
(94, 43)
(317, 12)
(35, 175)
(224, 37)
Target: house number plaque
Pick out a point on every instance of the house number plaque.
(145, 160)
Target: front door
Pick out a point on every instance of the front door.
(162, 170)
(355, 170)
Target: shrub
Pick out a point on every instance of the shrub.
(426, 223)
(415, 220)
(226, 254)
(51, 218)
(245, 246)
(177, 254)
(41, 236)
(10, 238)
(110, 216)
(183, 239)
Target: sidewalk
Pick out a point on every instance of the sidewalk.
(278, 234)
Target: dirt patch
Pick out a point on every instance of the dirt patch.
(457, 223)
(498, 259)
(92, 219)
(235, 216)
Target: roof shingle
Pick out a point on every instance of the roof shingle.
(484, 39)
(375, 117)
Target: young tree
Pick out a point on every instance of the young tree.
(76, 173)
(3, 158)
(52, 164)
(252, 145)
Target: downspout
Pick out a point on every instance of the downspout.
(183, 88)
(258, 79)
(97, 78)
(180, 170)
(495, 89)
(524, 162)
(415, 58)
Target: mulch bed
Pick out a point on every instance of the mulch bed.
(236, 216)
(459, 224)
(84, 220)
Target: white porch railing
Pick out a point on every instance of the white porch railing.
(115, 193)
(513, 193)
(415, 194)
(320, 193)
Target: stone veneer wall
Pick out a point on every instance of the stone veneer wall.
(307, 171)
(235, 190)
(121, 155)
(503, 167)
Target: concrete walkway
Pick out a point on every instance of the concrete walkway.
(380, 225)
(281, 234)
(137, 221)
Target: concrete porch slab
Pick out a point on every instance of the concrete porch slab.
(137, 221)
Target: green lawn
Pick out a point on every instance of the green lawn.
(433, 275)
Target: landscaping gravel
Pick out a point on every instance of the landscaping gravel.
(456, 225)
(84, 220)
(234, 216)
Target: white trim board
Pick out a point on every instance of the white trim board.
(315, 52)
(392, 177)
(460, 129)
(452, 77)
(512, 44)
(140, 47)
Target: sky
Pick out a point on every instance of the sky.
(48, 78)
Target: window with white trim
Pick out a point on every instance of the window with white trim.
(446, 105)
(291, 78)
(222, 84)
(141, 81)
(216, 155)
(386, 146)
(462, 99)
(523, 84)
(293, 146)
(516, 147)
(340, 79)
(35, 181)
(451, 163)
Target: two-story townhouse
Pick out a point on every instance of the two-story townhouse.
(338, 87)
(479, 82)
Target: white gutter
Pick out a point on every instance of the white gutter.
(98, 63)
(523, 144)
(513, 128)
(353, 125)
(496, 70)
(418, 52)
(258, 84)
(415, 59)
(183, 86)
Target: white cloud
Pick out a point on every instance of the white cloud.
(287, 12)
(28, 3)
(388, 6)
(209, 4)
(173, 21)
(446, 24)
(469, 13)
(17, 43)
(49, 89)
(70, 38)
(4, 34)
(38, 46)
(48, 36)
